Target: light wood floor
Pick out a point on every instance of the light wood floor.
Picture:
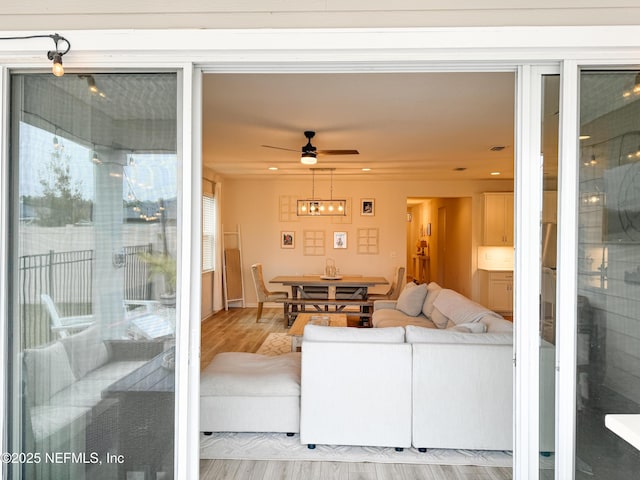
(280, 470)
(237, 331)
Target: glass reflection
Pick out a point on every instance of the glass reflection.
(94, 254)
(608, 259)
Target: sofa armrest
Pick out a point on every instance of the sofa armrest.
(384, 304)
(123, 350)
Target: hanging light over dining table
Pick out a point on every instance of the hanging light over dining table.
(318, 207)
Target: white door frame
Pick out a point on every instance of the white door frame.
(527, 273)
(348, 50)
(567, 272)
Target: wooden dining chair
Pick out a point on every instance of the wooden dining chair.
(262, 293)
(396, 287)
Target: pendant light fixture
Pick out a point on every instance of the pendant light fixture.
(316, 207)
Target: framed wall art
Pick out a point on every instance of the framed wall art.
(287, 239)
(367, 207)
(339, 239)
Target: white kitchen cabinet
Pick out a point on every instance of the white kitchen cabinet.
(500, 292)
(498, 218)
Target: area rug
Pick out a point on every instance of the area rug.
(275, 344)
(277, 446)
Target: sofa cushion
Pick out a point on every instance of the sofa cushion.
(433, 289)
(476, 327)
(86, 351)
(395, 318)
(384, 305)
(460, 309)
(440, 319)
(318, 333)
(48, 371)
(412, 298)
(48, 420)
(82, 393)
(251, 375)
(429, 335)
(497, 324)
(88, 391)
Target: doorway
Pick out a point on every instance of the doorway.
(260, 196)
(440, 242)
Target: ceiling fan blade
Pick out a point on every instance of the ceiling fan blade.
(338, 152)
(280, 148)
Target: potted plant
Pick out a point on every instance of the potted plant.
(165, 265)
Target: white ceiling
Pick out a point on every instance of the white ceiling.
(405, 126)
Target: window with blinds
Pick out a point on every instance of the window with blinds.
(208, 233)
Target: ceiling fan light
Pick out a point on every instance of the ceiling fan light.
(308, 158)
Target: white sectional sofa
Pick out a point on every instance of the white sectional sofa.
(431, 389)
(433, 374)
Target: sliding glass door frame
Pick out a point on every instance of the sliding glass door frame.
(566, 292)
(567, 265)
(188, 245)
(4, 254)
(528, 208)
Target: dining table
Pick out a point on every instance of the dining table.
(354, 290)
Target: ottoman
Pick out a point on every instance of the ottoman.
(248, 392)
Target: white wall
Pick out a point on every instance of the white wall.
(254, 205)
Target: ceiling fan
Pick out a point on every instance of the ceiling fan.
(309, 153)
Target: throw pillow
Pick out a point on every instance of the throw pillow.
(476, 327)
(47, 371)
(411, 299)
(433, 289)
(86, 351)
(439, 318)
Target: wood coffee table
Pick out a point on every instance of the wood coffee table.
(297, 329)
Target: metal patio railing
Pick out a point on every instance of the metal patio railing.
(67, 277)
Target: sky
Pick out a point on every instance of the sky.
(149, 177)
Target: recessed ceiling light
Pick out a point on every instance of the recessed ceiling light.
(366, 169)
(459, 169)
(497, 148)
(273, 168)
(495, 173)
(584, 137)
